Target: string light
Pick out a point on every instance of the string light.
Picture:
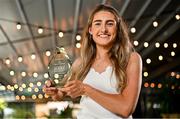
(12, 88)
(146, 85)
(11, 73)
(16, 86)
(18, 26)
(78, 45)
(35, 75)
(40, 96)
(60, 34)
(20, 59)
(177, 76)
(40, 30)
(36, 90)
(160, 57)
(29, 89)
(159, 85)
(133, 30)
(31, 84)
(23, 74)
(173, 74)
(174, 45)
(145, 74)
(46, 75)
(8, 87)
(177, 17)
(152, 85)
(146, 44)
(46, 82)
(165, 45)
(56, 76)
(136, 43)
(34, 97)
(148, 61)
(157, 45)
(20, 89)
(172, 53)
(2, 87)
(23, 85)
(48, 53)
(78, 37)
(7, 61)
(33, 56)
(17, 97)
(56, 81)
(172, 87)
(46, 96)
(38, 83)
(155, 23)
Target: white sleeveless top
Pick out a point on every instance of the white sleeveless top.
(106, 82)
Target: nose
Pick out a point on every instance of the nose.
(103, 28)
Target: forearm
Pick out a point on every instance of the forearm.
(115, 103)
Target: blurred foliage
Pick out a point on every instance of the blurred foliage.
(3, 104)
(22, 110)
(67, 113)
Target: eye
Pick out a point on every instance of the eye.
(97, 23)
(110, 24)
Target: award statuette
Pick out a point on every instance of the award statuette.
(59, 68)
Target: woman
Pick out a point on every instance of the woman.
(108, 73)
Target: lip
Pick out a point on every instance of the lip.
(103, 35)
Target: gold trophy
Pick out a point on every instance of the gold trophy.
(59, 68)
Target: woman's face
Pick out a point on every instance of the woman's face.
(103, 29)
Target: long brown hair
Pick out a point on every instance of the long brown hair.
(119, 53)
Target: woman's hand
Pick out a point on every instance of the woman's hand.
(52, 91)
(74, 88)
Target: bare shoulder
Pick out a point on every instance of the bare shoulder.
(135, 57)
(134, 70)
(135, 61)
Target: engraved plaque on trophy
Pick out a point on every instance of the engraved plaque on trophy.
(59, 68)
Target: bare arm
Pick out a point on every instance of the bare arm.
(122, 104)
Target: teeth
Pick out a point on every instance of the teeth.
(103, 36)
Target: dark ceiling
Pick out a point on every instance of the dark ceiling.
(70, 17)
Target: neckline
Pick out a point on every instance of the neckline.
(104, 71)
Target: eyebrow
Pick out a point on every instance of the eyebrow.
(106, 21)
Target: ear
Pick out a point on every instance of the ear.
(90, 30)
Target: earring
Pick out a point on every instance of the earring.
(90, 35)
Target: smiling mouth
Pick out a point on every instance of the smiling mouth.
(104, 35)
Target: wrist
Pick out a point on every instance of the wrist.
(58, 96)
(87, 89)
